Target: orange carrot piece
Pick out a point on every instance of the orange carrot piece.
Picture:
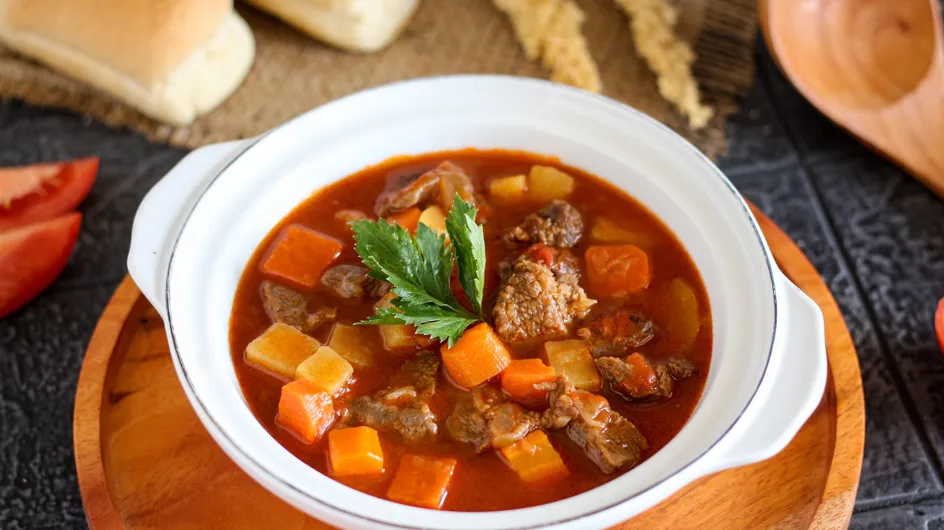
(476, 357)
(305, 410)
(534, 459)
(617, 270)
(355, 451)
(408, 219)
(422, 481)
(521, 375)
(300, 255)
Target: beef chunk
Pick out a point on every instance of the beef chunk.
(352, 281)
(638, 378)
(561, 262)
(486, 421)
(322, 316)
(290, 307)
(394, 411)
(533, 302)
(422, 371)
(609, 440)
(557, 224)
(617, 332)
(468, 425)
(439, 186)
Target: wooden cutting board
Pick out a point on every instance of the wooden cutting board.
(145, 461)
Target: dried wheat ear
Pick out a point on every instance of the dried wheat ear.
(652, 23)
(550, 30)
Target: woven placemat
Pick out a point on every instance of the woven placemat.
(293, 73)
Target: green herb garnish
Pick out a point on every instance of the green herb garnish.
(419, 268)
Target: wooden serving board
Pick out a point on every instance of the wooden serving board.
(145, 461)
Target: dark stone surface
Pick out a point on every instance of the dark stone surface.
(873, 233)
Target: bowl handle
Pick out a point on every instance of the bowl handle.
(162, 213)
(792, 388)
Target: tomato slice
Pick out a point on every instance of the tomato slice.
(939, 323)
(31, 257)
(42, 191)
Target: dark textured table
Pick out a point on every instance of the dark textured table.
(873, 233)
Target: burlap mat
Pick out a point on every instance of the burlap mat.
(293, 73)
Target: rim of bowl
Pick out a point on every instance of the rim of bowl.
(542, 85)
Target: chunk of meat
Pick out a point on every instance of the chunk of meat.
(486, 421)
(353, 281)
(533, 303)
(438, 186)
(609, 440)
(638, 378)
(397, 411)
(557, 224)
(421, 372)
(468, 425)
(562, 263)
(614, 333)
(290, 307)
(321, 316)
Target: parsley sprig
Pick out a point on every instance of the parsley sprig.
(419, 268)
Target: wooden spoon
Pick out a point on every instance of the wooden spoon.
(875, 67)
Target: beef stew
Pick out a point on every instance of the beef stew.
(583, 352)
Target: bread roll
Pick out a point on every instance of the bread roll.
(354, 25)
(172, 59)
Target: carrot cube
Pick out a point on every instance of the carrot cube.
(534, 459)
(300, 255)
(617, 270)
(408, 218)
(355, 451)
(305, 410)
(476, 357)
(422, 481)
(521, 375)
(280, 349)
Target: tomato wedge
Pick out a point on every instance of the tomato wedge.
(42, 191)
(939, 323)
(31, 257)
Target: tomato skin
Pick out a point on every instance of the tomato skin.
(31, 257)
(939, 323)
(66, 192)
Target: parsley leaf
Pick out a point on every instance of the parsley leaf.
(468, 240)
(420, 267)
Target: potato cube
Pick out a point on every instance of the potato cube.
(508, 188)
(534, 459)
(572, 358)
(326, 369)
(606, 230)
(280, 349)
(353, 344)
(546, 183)
(434, 218)
(396, 338)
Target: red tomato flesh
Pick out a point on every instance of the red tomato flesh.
(31, 257)
(939, 323)
(42, 191)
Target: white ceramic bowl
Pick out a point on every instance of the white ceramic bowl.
(196, 230)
